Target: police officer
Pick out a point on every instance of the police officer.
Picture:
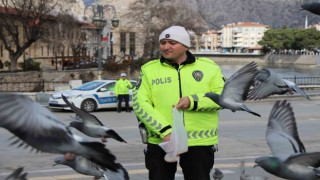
(122, 91)
(179, 79)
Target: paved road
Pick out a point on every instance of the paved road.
(241, 138)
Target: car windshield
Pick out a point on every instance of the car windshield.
(89, 86)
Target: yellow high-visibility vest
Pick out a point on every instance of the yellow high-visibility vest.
(160, 87)
(122, 86)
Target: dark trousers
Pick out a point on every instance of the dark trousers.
(125, 98)
(196, 164)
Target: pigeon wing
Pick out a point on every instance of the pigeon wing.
(17, 175)
(293, 85)
(40, 129)
(267, 83)
(84, 166)
(31, 122)
(306, 159)
(237, 86)
(85, 116)
(282, 134)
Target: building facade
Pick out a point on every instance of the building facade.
(241, 36)
(210, 41)
(128, 39)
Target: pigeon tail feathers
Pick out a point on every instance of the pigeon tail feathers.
(115, 135)
(122, 174)
(100, 155)
(245, 108)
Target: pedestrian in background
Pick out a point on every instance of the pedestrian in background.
(179, 79)
(122, 92)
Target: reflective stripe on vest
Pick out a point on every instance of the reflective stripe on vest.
(202, 134)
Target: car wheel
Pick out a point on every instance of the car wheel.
(88, 105)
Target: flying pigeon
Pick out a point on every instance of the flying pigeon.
(39, 128)
(268, 82)
(290, 159)
(17, 175)
(244, 176)
(91, 125)
(86, 167)
(217, 174)
(313, 7)
(236, 89)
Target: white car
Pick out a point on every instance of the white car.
(90, 96)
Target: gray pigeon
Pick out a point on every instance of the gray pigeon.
(313, 7)
(289, 160)
(17, 175)
(39, 128)
(217, 174)
(86, 167)
(90, 125)
(268, 82)
(244, 176)
(236, 89)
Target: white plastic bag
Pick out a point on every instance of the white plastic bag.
(178, 143)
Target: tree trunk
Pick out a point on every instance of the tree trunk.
(14, 56)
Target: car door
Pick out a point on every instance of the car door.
(106, 96)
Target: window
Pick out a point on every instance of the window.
(132, 49)
(41, 50)
(110, 86)
(122, 42)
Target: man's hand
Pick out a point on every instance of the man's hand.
(167, 138)
(184, 103)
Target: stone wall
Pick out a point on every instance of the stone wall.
(266, 59)
(50, 79)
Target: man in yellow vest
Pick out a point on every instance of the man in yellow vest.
(179, 79)
(122, 91)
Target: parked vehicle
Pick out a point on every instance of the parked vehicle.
(90, 96)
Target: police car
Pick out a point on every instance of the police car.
(90, 96)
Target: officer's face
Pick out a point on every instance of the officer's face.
(173, 50)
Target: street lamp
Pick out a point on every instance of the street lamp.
(99, 20)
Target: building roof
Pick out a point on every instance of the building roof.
(246, 24)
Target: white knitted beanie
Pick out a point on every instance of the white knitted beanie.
(177, 33)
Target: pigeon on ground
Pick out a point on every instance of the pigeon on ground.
(217, 174)
(290, 159)
(91, 125)
(268, 82)
(39, 128)
(17, 175)
(236, 89)
(86, 167)
(244, 176)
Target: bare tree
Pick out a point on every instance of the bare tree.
(68, 34)
(22, 23)
(156, 15)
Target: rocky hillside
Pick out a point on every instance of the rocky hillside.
(275, 13)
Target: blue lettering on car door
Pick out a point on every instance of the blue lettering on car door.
(106, 100)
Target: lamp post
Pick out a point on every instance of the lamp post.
(98, 19)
